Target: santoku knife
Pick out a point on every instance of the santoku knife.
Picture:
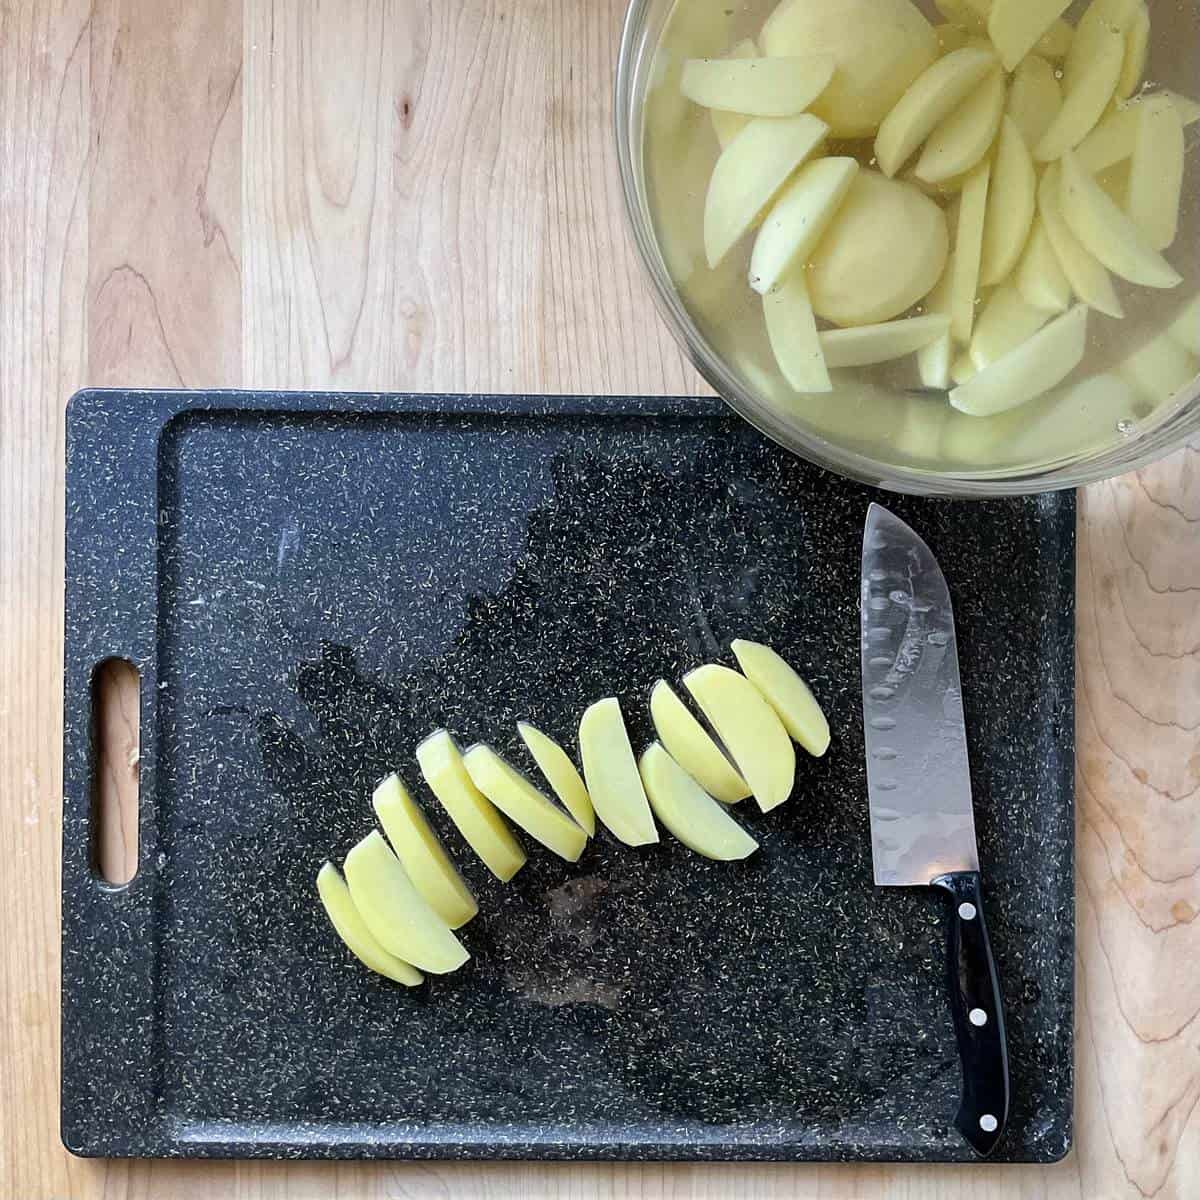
(919, 787)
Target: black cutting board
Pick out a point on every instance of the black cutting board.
(310, 584)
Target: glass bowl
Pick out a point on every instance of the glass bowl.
(1135, 397)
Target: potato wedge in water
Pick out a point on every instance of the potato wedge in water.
(1039, 277)
(1056, 42)
(1016, 26)
(422, 854)
(689, 812)
(1034, 98)
(798, 219)
(749, 174)
(950, 37)
(927, 103)
(1185, 329)
(1159, 369)
(1029, 371)
(1086, 275)
(612, 776)
(727, 125)
(792, 332)
(524, 804)
(473, 814)
(687, 742)
(1004, 323)
(1102, 19)
(750, 730)
(962, 369)
(845, 280)
(560, 773)
(352, 929)
(968, 252)
(1085, 101)
(1109, 234)
(1156, 173)
(966, 135)
(934, 360)
(756, 87)
(868, 344)
(397, 915)
(1137, 50)
(1011, 204)
(880, 47)
(786, 693)
(965, 15)
(1114, 138)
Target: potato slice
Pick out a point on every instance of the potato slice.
(1040, 278)
(352, 929)
(1056, 41)
(962, 369)
(786, 693)
(1137, 50)
(967, 16)
(560, 773)
(861, 273)
(950, 38)
(867, 344)
(1034, 98)
(1114, 139)
(934, 360)
(968, 251)
(1011, 204)
(691, 747)
(1156, 174)
(612, 775)
(1016, 26)
(966, 135)
(1159, 369)
(1005, 322)
(397, 915)
(1029, 371)
(689, 812)
(1087, 277)
(1085, 101)
(473, 814)
(1102, 18)
(523, 803)
(727, 125)
(798, 219)
(1185, 329)
(1107, 233)
(752, 733)
(756, 87)
(749, 174)
(792, 332)
(421, 853)
(927, 103)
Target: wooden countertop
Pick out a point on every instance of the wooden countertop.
(387, 194)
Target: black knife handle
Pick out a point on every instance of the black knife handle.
(978, 1012)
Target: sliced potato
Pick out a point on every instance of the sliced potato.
(352, 929)
(1005, 322)
(1056, 41)
(1016, 26)
(1085, 101)
(688, 743)
(1107, 233)
(473, 814)
(867, 344)
(612, 776)
(1034, 98)
(1102, 19)
(798, 219)
(1029, 371)
(1011, 204)
(750, 730)
(1040, 278)
(792, 331)
(1156, 174)
(1087, 276)
(930, 100)
(727, 125)
(934, 360)
(749, 174)
(560, 773)
(965, 15)
(1114, 138)
(422, 854)
(968, 251)
(689, 812)
(950, 37)
(397, 915)
(1159, 368)
(786, 693)
(1137, 49)
(1185, 329)
(523, 803)
(966, 135)
(963, 368)
(756, 87)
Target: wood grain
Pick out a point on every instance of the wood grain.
(397, 194)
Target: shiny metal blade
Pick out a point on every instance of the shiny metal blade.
(918, 776)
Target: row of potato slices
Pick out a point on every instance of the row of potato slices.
(397, 906)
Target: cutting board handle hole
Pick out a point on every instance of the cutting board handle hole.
(116, 726)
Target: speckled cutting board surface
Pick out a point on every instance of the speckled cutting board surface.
(310, 584)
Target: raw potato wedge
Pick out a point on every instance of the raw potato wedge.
(523, 804)
(1102, 19)
(1156, 173)
(927, 103)
(397, 914)
(1040, 278)
(968, 252)
(421, 853)
(962, 369)
(867, 344)
(798, 219)
(687, 742)
(792, 332)
(950, 38)
(689, 812)
(786, 693)
(1085, 101)
(966, 135)
(1011, 204)
(750, 730)
(1185, 329)
(1086, 275)
(1034, 98)
(756, 87)
(965, 15)
(1115, 138)
(1159, 369)
(560, 773)
(1016, 26)
(1107, 233)
(473, 814)
(1029, 371)
(1005, 322)
(1056, 41)
(727, 125)
(612, 775)
(352, 929)
(934, 360)
(749, 174)
(1137, 49)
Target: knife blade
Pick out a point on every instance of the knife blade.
(919, 793)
